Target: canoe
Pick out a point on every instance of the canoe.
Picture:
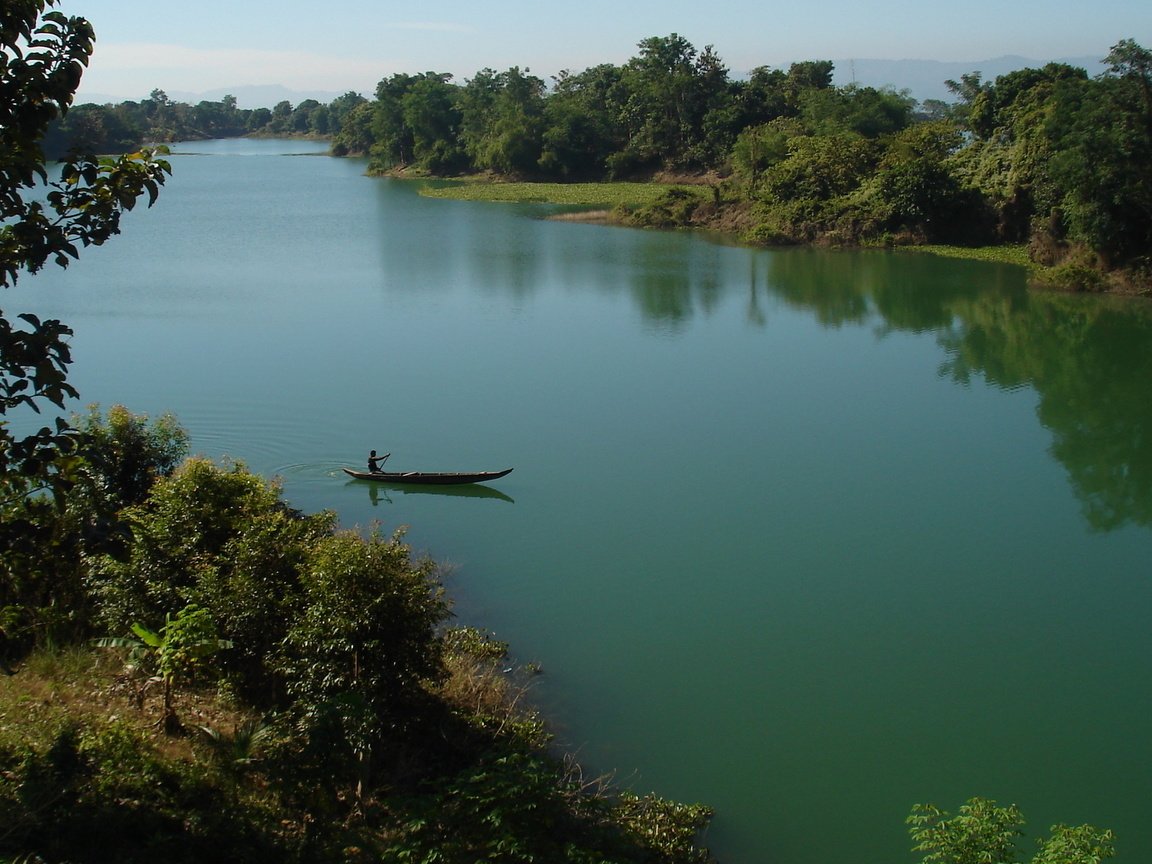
(437, 478)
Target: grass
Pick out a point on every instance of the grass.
(78, 685)
(598, 195)
(1007, 254)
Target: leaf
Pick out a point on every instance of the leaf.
(148, 637)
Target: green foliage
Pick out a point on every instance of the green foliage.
(182, 644)
(669, 829)
(811, 193)
(222, 538)
(918, 191)
(124, 454)
(863, 110)
(515, 806)
(474, 643)
(583, 123)
(819, 167)
(758, 148)
(1081, 844)
(44, 53)
(980, 833)
(115, 461)
(357, 655)
(1065, 159)
(177, 650)
(101, 792)
(1102, 182)
(501, 121)
(674, 209)
(429, 116)
(983, 833)
(239, 750)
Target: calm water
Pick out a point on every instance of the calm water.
(808, 536)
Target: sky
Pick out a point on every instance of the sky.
(341, 45)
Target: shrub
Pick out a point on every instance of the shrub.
(220, 537)
(357, 655)
(47, 542)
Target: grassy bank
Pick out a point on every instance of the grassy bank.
(594, 195)
(608, 196)
(690, 205)
(1016, 253)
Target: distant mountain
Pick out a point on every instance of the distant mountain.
(925, 78)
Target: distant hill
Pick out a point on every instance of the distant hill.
(925, 78)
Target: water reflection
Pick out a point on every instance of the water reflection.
(1088, 359)
(382, 491)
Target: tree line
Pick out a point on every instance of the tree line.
(1049, 157)
(123, 127)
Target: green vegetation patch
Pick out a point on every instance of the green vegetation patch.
(1007, 254)
(602, 195)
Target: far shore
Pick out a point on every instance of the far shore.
(609, 203)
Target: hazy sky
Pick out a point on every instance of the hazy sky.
(340, 45)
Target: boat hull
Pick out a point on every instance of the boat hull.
(440, 478)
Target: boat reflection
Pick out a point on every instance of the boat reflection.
(383, 490)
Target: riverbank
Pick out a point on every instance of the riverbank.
(698, 203)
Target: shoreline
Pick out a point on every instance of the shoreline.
(1071, 276)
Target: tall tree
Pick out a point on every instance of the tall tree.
(656, 114)
(582, 118)
(501, 120)
(429, 109)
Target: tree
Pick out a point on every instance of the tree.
(501, 120)
(1133, 63)
(429, 109)
(917, 187)
(44, 590)
(758, 148)
(657, 113)
(340, 107)
(582, 120)
(763, 97)
(43, 54)
(363, 643)
(865, 110)
(983, 833)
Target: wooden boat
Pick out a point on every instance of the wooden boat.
(437, 478)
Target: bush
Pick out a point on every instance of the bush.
(982, 832)
(364, 643)
(99, 793)
(47, 542)
(673, 209)
(222, 538)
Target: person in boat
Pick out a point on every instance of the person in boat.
(374, 461)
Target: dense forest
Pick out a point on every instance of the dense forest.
(1046, 157)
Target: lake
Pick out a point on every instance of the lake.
(808, 536)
